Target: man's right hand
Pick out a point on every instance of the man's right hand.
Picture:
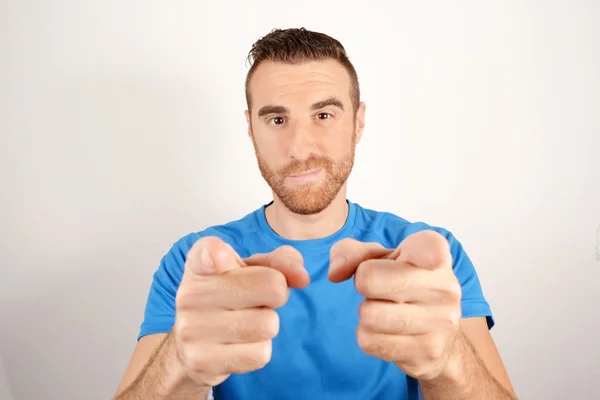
(225, 318)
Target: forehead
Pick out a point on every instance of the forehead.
(302, 84)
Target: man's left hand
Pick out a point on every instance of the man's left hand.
(411, 313)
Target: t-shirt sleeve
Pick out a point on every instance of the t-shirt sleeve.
(474, 303)
(159, 314)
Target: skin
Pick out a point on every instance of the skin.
(412, 311)
(303, 138)
(305, 131)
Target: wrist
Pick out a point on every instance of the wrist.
(454, 371)
(177, 380)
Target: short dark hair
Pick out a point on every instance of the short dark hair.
(296, 45)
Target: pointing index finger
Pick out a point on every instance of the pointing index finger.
(347, 254)
(286, 260)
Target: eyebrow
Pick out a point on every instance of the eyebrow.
(332, 101)
(266, 110)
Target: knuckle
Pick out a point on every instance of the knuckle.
(190, 297)
(197, 361)
(365, 278)
(457, 291)
(364, 312)
(181, 297)
(262, 327)
(453, 318)
(434, 349)
(450, 290)
(276, 286)
(420, 371)
(263, 355)
(364, 340)
(184, 299)
(185, 332)
(195, 357)
(254, 358)
(370, 317)
(269, 324)
(453, 288)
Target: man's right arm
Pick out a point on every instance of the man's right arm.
(225, 320)
(155, 372)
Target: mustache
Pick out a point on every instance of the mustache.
(313, 162)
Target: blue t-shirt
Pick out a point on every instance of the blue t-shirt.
(315, 355)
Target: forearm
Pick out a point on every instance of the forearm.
(163, 377)
(466, 377)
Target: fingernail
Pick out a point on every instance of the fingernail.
(206, 259)
(338, 262)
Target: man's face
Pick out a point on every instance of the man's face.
(304, 131)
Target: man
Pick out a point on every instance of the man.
(312, 295)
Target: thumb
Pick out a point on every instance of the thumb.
(426, 249)
(211, 256)
(347, 254)
(286, 260)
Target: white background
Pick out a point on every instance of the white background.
(122, 129)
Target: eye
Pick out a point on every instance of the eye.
(277, 120)
(324, 116)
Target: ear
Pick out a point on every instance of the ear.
(247, 114)
(360, 120)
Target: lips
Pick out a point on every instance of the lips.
(306, 173)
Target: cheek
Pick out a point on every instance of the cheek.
(271, 155)
(275, 143)
(338, 145)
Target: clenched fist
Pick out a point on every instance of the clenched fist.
(411, 312)
(225, 317)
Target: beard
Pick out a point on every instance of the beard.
(309, 198)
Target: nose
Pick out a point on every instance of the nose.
(302, 142)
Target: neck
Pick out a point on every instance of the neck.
(306, 227)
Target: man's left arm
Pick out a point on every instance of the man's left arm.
(424, 311)
(474, 370)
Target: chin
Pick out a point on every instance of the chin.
(310, 210)
(308, 200)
